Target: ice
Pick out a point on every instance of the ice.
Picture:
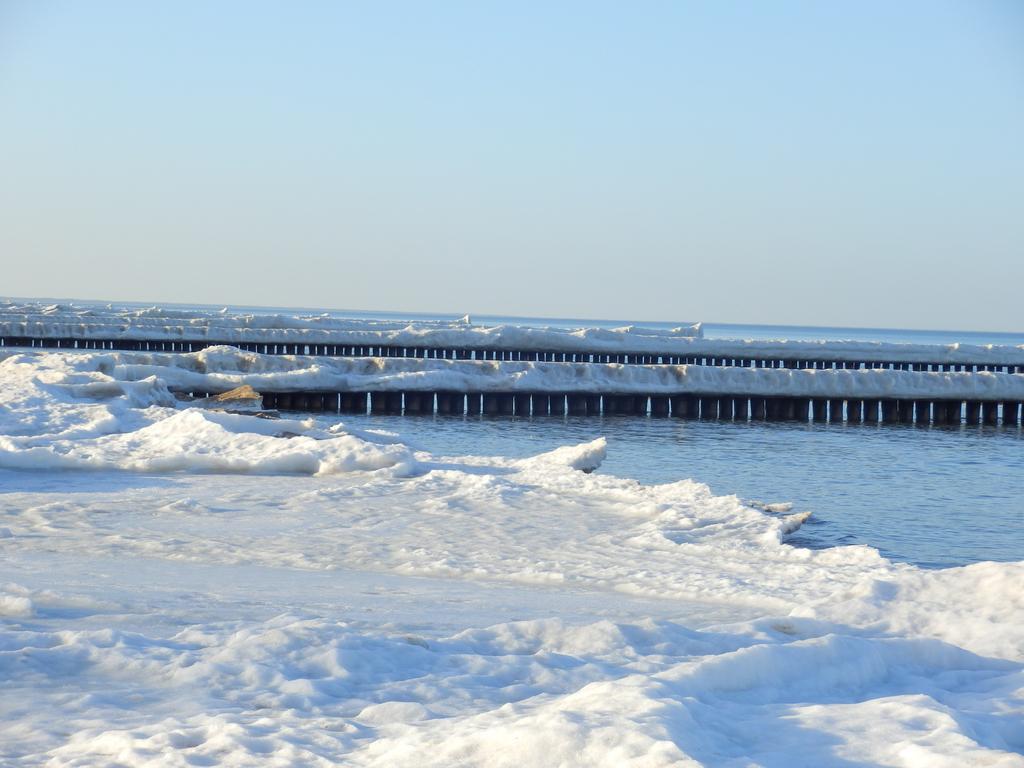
(71, 412)
(181, 586)
(148, 377)
(20, 319)
(83, 321)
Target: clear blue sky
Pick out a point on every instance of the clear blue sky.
(857, 163)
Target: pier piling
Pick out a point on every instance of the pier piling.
(853, 411)
(1010, 410)
(521, 403)
(972, 411)
(708, 407)
(741, 408)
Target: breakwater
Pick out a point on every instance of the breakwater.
(722, 407)
(781, 354)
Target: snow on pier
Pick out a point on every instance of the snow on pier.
(190, 330)
(185, 330)
(427, 386)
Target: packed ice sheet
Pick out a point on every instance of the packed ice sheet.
(39, 320)
(195, 588)
(218, 369)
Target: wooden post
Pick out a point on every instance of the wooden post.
(416, 402)
(953, 408)
(802, 409)
(692, 403)
(890, 411)
(708, 407)
(284, 401)
(593, 405)
(741, 408)
(835, 411)
(577, 405)
(989, 412)
(506, 404)
(521, 403)
(377, 402)
(445, 403)
(787, 407)
(758, 408)
(954, 412)
(906, 414)
(725, 408)
(871, 408)
(773, 408)
(659, 405)
(820, 409)
(353, 402)
(1010, 410)
(540, 401)
(853, 411)
(922, 413)
(556, 402)
(490, 403)
(682, 406)
(973, 410)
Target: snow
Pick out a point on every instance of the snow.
(157, 323)
(38, 320)
(218, 369)
(180, 586)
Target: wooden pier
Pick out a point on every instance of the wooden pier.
(941, 393)
(709, 407)
(802, 360)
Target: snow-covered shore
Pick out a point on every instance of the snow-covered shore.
(194, 587)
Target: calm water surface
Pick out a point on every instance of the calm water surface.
(932, 496)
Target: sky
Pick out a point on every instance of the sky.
(848, 163)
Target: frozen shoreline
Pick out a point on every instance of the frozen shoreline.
(220, 588)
